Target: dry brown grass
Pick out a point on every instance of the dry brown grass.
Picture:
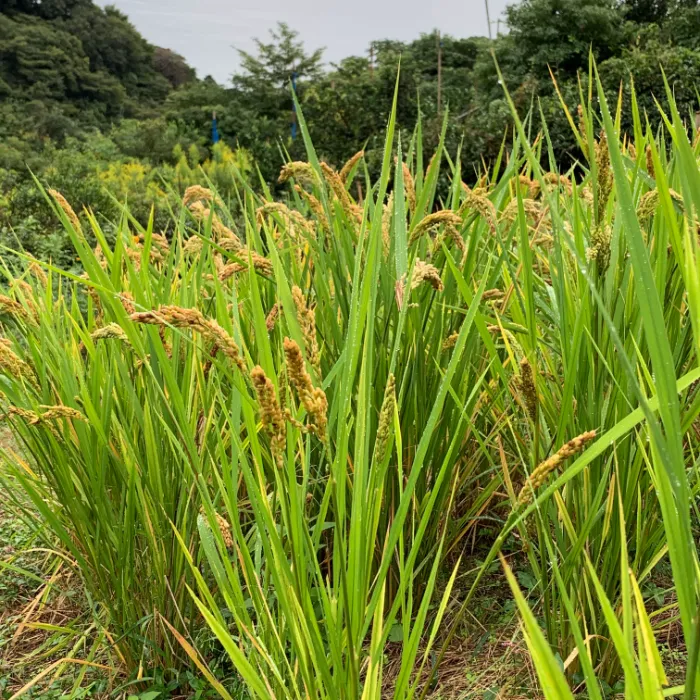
(495, 662)
(29, 606)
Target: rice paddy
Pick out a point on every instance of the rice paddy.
(291, 448)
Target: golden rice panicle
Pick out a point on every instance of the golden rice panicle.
(452, 234)
(29, 416)
(15, 309)
(271, 208)
(167, 345)
(677, 197)
(12, 365)
(544, 469)
(127, 300)
(135, 257)
(152, 318)
(483, 184)
(223, 233)
(38, 271)
(481, 204)
(218, 262)
(193, 319)
(193, 246)
(222, 524)
(650, 162)
(386, 417)
(425, 272)
(225, 530)
(94, 297)
(605, 174)
(110, 331)
(599, 250)
(261, 264)
(509, 213)
(224, 341)
(533, 210)
(648, 203)
(357, 212)
(528, 388)
(314, 205)
(100, 257)
(431, 221)
(586, 194)
(298, 222)
(33, 419)
(349, 165)
(492, 295)
(294, 220)
(160, 241)
(299, 170)
(338, 188)
(220, 231)
(313, 399)
(555, 180)
(199, 211)
(544, 239)
(450, 341)
(272, 317)
(386, 226)
(409, 187)
(180, 317)
(532, 186)
(197, 193)
(67, 209)
(581, 120)
(284, 387)
(228, 271)
(29, 299)
(307, 320)
(60, 412)
(271, 413)
(582, 129)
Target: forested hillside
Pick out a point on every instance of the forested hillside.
(84, 94)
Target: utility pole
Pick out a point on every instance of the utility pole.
(439, 76)
(371, 58)
(488, 18)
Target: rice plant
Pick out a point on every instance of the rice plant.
(284, 426)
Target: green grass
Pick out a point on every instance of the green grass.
(271, 444)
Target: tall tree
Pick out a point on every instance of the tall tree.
(266, 77)
(172, 66)
(560, 33)
(263, 95)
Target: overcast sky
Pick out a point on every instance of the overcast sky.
(207, 32)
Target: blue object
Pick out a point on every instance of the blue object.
(214, 130)
(294, 106)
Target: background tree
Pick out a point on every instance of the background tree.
(172, 67)
(70, 71)
(263, 95)
(560, 33)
